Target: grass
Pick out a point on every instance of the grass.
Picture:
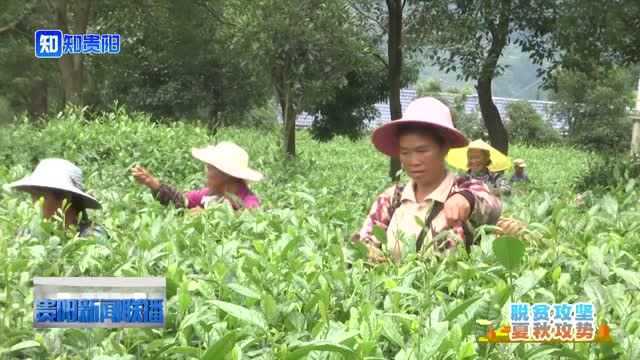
(284, 267)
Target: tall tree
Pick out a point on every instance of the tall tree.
(305, 46)
(590, 35)
(70, 16)
(73, 17)
(385, 21)
(394, 51)
(179, 60)
(24, 80)
(469, 36)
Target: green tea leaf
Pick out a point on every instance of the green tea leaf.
(509, 251)
(299, 351)
(222, 347)
(528, 281)
(632, 278)
(245, 291)
(390, 331)
(461, 308)
(23, 345)
(249, 316)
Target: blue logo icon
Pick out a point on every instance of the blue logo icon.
(48, 44)
(54, 44)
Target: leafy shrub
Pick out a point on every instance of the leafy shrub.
(6, 112)
(261, 117)
(284, 267)
(595, 106)
(428, 87)
(609, 172)
(526, 126)
(351, 108)
(470, 124)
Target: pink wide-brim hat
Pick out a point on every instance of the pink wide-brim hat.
(425, 112)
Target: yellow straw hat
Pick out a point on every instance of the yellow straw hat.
(458, 157)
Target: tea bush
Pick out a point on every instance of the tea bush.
(285, 267)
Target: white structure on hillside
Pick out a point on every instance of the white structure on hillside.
(471, 105)
(635, 132)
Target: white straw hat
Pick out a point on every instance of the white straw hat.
(519, 163)
(56, 174)
(228, 158)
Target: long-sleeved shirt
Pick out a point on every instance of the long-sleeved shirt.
(495, 181)
(402, 229)
(517, 178)
(244, 198)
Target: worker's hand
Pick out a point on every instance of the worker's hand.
(508, 226)
(456, 210)
(144, 177)
(196, 210)
(375, 255)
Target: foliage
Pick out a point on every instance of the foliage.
(177, 60)
(351, 109)
(594, 36)
(595, 106)
(427, 87)
(468, 38)
(609, 172)
(305, 48)
(18, 66)
(469, 123)
(527, 126)
(274, 284)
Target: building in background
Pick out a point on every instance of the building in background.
(544, 108)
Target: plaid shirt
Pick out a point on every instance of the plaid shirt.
(403, 224)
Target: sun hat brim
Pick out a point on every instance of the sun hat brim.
(519, 163)
(385, 137)
(457, 158)
(28, 183)
(239, 172)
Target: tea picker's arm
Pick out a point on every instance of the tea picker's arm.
(487, 207)
(166, 194)
(378, 215)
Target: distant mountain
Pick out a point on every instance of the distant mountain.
(518, 80)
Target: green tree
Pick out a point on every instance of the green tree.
(306, 47)
(178, 60)
(351, 108)
(73, 17)
(25, 82)
(527, 126)
(393, 25)
(591, 35)
(595, 106)
(469, 37)
(469, 123)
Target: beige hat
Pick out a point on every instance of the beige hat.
(228, 158)
(519, 163)
(58, 174)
